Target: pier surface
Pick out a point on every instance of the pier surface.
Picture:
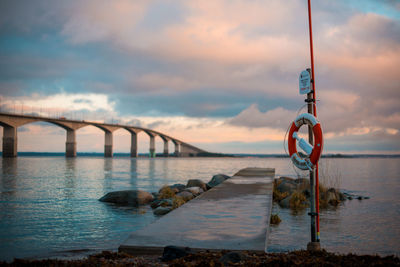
(231, 216)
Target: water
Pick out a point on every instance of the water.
(49, 205)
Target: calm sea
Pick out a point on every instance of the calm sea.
(49, 205)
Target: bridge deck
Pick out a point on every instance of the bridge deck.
(232, 216)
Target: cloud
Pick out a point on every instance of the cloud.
(378, 141)
(252, 117)
(235, 62)
(60, 103)
(93, 21)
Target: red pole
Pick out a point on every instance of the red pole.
(315, 113)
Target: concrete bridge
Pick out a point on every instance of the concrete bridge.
(10, 123)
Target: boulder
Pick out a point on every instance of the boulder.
(155, 203)
(172, 252)
(285, 203)
(162, 210)
(231, 257)
(178, 187)
(286, 179)
(165, 202)
(302, 183)
(196, 182)
(128, 197)
(216, 180)
(166, 192)
(332, 197)
(195, 190)
(307, 193)
(286, 186)
(342, 196)
(186, 195)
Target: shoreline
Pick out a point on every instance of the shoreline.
(211, 155)
(219, 258)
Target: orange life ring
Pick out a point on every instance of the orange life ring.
(313, 153)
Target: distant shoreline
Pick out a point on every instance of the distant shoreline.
(122, 155)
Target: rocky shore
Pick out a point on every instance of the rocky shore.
(168, 198)
(295, 194)
(221, 258)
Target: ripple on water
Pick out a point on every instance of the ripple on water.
(50, 204)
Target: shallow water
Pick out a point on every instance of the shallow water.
(49, 205)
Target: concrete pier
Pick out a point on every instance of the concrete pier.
(184, 151)
(70, 144)
(152, 149)
(108, 144)
(176, 149)
(165, 152)
(134, 149)
(231, 216)
(9, 141)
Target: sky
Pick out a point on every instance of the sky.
(221, 75)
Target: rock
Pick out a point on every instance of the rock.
(342, 197)
(166, 192)
(172, 252)
(286, 186)
(350, 196)
(178, 187)
(285, 203)
(196, 182)
(195, 190)
(165, 202)
(128, 197)
(231, 257)
(216, 180)
(162, 210)
(186, 195)
(332, 197)
(274, 219)
(307, 193)
(302, 183)
(155, 203)
(286, 179)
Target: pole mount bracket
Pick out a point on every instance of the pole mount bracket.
(313, 214)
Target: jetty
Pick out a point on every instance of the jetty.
(234, 216)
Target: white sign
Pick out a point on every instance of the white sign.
(305, 82)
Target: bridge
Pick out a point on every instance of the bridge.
(11, 122)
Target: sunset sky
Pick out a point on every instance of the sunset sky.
(222, 75)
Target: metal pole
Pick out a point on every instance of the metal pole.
(312, 213)
(315, 234)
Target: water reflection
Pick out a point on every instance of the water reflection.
(152, 172)
(108, 175)
(108, 167)
(69, 178)
(8, 179)
(133, 173)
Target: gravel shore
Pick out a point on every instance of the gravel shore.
(223, 258)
